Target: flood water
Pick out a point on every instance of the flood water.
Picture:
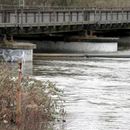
(96, 91)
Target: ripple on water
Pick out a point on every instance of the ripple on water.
(97, 92)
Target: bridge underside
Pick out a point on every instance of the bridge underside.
(64, 29)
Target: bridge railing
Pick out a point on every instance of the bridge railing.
(5, 6)
(14, 16)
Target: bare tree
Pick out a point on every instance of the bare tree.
(102, 3)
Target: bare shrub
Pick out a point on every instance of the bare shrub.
(40, 101)
(97, 3)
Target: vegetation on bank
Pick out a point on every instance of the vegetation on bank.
(40, 101)
(102, 3)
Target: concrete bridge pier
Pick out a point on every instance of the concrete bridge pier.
(88, 34)
(78, 45)
(91, 33)
(12, 51)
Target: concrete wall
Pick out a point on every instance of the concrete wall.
(76, 47)
(124, 42)
(16, 54)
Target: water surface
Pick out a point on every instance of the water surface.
(97, 91)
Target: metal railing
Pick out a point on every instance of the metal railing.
(5, 6)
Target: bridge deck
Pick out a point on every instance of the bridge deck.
(31, 19)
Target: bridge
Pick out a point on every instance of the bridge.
(46, 20)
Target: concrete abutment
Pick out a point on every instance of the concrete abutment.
(12, 51)
(78, 46)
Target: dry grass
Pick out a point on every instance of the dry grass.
(40, 102)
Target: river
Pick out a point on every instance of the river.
(96, 91)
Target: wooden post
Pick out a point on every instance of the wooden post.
(18, 97)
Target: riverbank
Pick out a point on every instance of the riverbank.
(61, 56)
(27, 104)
